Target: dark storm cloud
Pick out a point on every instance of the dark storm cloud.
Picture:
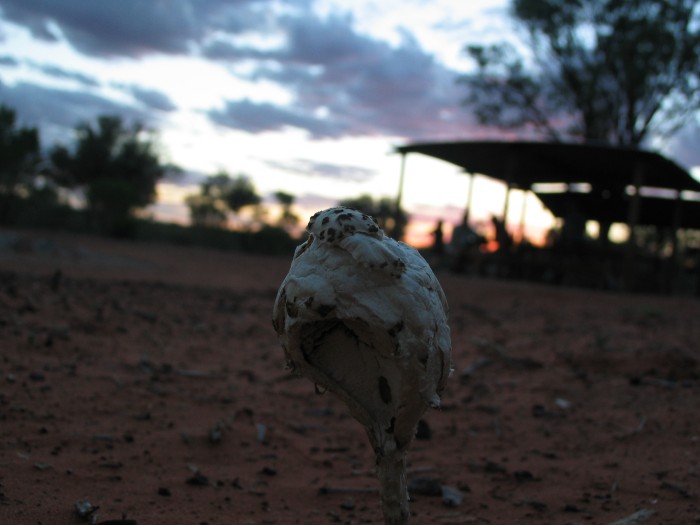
(131, 27)
(57, 111)
(128, 27)
(8, 61)
(325, 169)
(257, 117)
(64, 74)
(153, 99)
(226, 51)
(362, 85)
(344, 82)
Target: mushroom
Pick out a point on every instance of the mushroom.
(363, 316)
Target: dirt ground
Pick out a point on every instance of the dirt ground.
(145, 384)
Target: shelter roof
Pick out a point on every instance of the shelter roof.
(523, 164)
(608, 170)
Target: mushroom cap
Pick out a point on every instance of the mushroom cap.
(364, 316)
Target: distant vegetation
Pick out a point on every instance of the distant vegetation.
(384, 211)
(114, 169)
(101, 182)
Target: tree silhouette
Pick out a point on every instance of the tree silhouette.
(613, 71)
(241, 193)
(19, 159)
(208, 208)
(289, 220)
(219, 194)
(383, 210)
(116, 167)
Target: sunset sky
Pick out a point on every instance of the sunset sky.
(304, 96)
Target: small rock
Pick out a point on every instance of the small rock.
(451, 497)
(523, 475)
(216, 433)
(261, 430)
(268, 471)
(198, 479)
(562, 403)
(86, 510)
(636, 518)
(469, 371)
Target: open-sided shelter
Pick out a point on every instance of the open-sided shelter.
(620, 184)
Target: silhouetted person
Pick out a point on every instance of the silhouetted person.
(438, 247)
(505, 243)
(438, 239)
(502, 236)
(464, 245)
(573, 234)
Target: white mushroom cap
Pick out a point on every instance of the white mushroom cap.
(364, 316)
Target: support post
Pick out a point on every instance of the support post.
(633, 214)
(399, 195)
(470, 193)
(523, 213)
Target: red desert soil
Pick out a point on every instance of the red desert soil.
(147, 381)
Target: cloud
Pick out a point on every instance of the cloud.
(343, 83)
(313, 201)
(325, 169)
(258, 117)
(132, 28)
(683, 147)
(57, 111)
(64, 74)
(361, 85)
(8, 61)
(153, 99)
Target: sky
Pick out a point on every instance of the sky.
(308, 97)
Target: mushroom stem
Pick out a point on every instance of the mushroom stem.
(391, 471)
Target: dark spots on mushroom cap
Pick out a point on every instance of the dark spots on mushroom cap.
(312, 220)
(291, 309)
(423, 357)
(324, 309)
(345, 222)
(396, 328)
(384, 390)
